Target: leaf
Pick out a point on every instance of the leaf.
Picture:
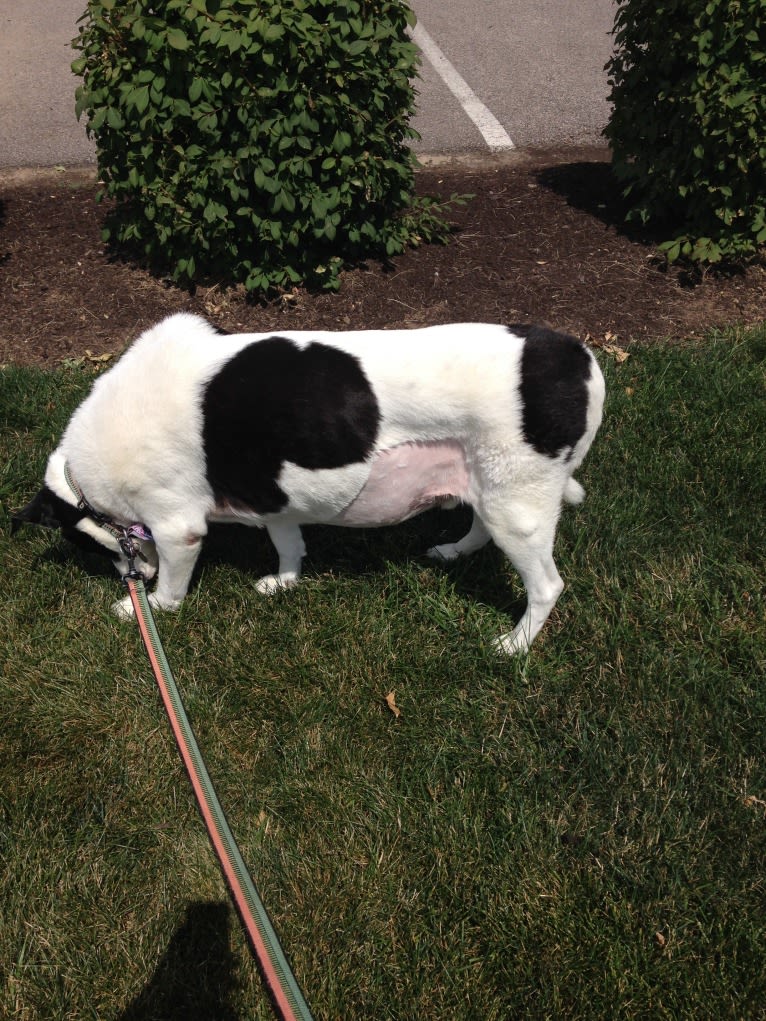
(608, 346)
(672, 250)
(273, 32)
(215, 211)
(209, 122)
(619, 354)
(341, 141)
(114, 118)
(391, 703)
(140, 98)
(233, 40)
(178, 39)
(97, 359)
(319, 207)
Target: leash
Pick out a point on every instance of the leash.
(286, 995)
(283, 987)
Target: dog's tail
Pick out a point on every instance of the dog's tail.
(573, 491)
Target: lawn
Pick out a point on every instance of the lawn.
(580, 833)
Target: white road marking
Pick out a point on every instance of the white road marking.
(492, 131)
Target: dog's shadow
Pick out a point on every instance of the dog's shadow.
(366, 553)
(343, 552)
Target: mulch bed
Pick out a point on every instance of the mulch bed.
(543, 239)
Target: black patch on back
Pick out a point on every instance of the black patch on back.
(276, 402)
(555, 369)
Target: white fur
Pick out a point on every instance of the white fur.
(134, 446)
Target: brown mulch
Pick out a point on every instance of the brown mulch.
(542, 240)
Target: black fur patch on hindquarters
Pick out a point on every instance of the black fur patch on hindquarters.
(275, 402)
(555, 369)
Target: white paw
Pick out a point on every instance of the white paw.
(511, 644)
(448, 551)
(272, 583)
(168, 605)
(123, 609)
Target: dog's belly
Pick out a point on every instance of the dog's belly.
(406, 480)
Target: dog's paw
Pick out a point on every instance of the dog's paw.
(272, 583)
(513, 644)
(168, 605)
(123, 609)
(449, 551)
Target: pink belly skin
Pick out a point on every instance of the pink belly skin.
(406, 480)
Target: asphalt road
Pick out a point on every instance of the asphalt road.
(536, 65)
(498, 74)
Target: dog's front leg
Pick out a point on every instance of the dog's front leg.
(288, 542)
(177, 554)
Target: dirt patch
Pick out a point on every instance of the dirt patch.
(542, 240)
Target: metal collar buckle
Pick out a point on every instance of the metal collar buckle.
(131, 550)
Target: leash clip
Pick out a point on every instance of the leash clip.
(132, 551)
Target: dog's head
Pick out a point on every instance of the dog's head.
(49, 510)
(56, 506)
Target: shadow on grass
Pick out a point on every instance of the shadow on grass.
(352, 552)
(342, 552)
(195, 980)
(365, 553)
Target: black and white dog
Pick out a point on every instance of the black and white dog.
(359, 429)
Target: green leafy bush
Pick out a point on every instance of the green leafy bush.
(688, 128)
(259, 141)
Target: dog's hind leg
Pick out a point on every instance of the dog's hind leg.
(476, 537)
(526, 534)
(288, 542)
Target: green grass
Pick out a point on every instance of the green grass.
(577, 834)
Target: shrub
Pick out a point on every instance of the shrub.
(688, 87)
(259, 141)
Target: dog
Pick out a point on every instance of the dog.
(193, 425)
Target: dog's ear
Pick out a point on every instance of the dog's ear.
(42, 510)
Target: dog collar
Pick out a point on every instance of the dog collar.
(122, 533)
